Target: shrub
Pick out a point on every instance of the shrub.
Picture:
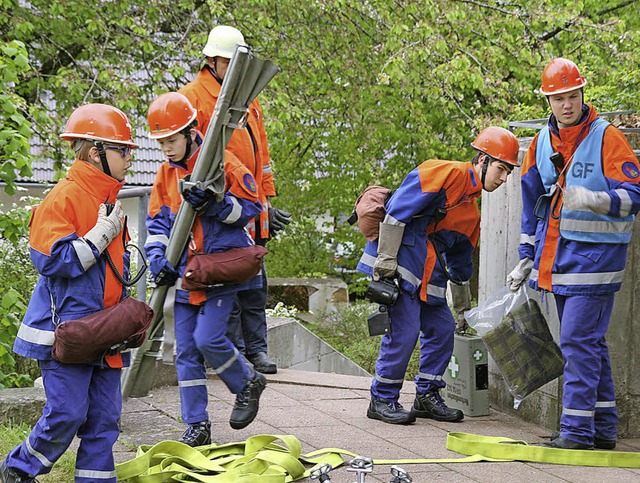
(18, 276)
(346, 331)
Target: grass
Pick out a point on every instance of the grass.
(346, 331)
(12, 435)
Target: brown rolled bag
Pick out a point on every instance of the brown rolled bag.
(114, 329)
(371, 210)
(230, 267)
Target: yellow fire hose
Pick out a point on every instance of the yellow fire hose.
(259, 459)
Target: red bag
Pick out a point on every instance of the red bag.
(88, 339)
(233, 266)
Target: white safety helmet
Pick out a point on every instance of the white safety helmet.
(223, 41)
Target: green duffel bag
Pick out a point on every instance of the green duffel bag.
(524, 350)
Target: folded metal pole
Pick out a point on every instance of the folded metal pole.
(246, 77)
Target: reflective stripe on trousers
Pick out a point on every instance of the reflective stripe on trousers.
(201, 335)
(411, 318)
(589, 396)
(82, 399)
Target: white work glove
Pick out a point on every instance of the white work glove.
(389, 241)
(461, 299)
(519, 274)
(107, 227)
(581, 198)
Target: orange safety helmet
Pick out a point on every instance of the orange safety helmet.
(561, 75)
(168, 114)
(99, 122)
(498, 143)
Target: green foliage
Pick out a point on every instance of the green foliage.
(14, 222)
(15, 129)
(17, 279)
(302, 251)
(346, 331)
(13, 435)
(11, 304)
(368, 90)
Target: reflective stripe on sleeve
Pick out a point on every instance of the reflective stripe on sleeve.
(35, 336)
(527, 239)
(625, 202)
(162, 239)
(84, 253)
(236, 211)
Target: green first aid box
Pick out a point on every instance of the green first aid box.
(467, 376)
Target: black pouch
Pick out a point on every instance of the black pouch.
(379, 322)
(543, 205)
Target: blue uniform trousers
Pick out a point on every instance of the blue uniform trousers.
(589, 400)
(82, 400)
(201, 335)
(248, 322)
(410, 318)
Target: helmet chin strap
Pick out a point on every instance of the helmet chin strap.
(485, 166)
(103, 158)
(187, 151)
(214, 70)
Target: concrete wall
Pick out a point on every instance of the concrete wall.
(500, 231)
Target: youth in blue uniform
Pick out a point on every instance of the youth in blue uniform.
(69, 231)
(406, 247)
(201, 317)
(574, 245)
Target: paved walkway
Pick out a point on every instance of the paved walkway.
(329, 410)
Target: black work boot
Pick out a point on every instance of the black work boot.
(262, 363)
(432, 406)
(598, 443)
(197, 434)
(390, 412)
(247, 402)
(7, 475)
(564, 443)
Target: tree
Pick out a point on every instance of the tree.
(368, 90)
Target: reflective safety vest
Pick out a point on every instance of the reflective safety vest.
(585, 170)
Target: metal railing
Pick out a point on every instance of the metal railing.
(143, 204)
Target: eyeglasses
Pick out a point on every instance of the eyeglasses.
(124, 151)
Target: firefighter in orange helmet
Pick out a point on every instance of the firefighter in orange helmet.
(427, 239)
(580, 193)
(201, 316)
(69, 233)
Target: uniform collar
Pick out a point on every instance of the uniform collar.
(210, 83)
(589, 115)
(473, 187)
(94, 181)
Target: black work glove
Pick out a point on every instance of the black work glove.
(197, 198)
(278, 220)
(163, 273)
